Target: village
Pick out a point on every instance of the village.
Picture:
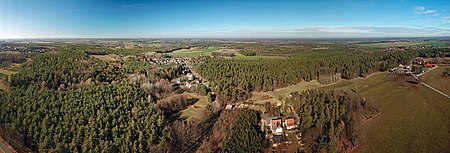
(280, 126)
(279, 123)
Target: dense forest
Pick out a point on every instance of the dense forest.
(328, 118)
(246, 135)
(65, 100)
(234, 79)
(95, 119)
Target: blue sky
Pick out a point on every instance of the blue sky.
(223, 19)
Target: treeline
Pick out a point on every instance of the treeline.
(247, 52)
(234, 79)
(7, 59)
(110, 118)
(246, 134)
(434, 53)
(328, 118)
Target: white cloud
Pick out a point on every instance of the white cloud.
(317, 32)
(423, 10)
(420, 8)
(445, 20)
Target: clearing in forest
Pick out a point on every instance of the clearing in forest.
(5, 72)
(196, 111)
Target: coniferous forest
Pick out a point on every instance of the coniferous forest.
(235, 79)
(65, 100)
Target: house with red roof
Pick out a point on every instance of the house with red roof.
(290, 123)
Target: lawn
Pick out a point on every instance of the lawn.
(193, 52)
(434, 78)
(412, 117)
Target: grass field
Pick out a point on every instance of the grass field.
(274, 96)
(196, 111)
(434, 78)
(385, 45)
(284, 92)
(412, 117)
(193, 52)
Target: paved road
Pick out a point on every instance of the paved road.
(426, 85)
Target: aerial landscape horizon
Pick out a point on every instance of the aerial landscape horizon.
(229, 76)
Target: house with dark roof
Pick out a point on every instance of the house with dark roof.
(277, 140)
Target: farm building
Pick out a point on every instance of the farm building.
(430, 65)
(401, 69)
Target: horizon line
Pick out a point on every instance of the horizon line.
(48, 38)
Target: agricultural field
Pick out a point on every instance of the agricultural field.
(437, 80)
(193, 52)
(390, 44)
(412, 117)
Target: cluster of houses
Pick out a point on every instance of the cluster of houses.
(401, 69)
(277, 126)
(405, 69)
(22, 48)
(177, 61)
(188, 79)
(402, 48)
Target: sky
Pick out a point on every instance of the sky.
(223, 18)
